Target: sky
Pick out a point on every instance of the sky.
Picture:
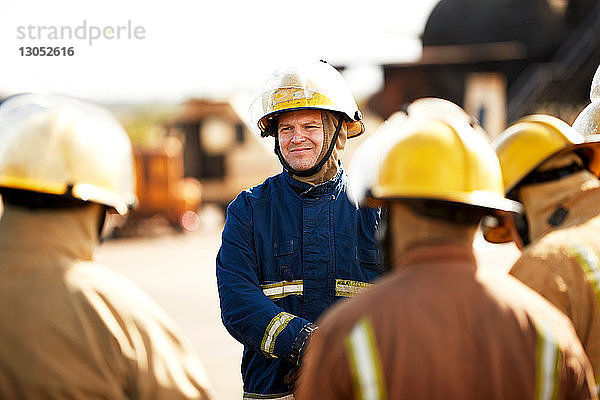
(167, 51)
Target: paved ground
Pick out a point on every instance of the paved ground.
(178, 271)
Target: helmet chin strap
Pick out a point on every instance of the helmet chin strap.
(384, 238)
(316, 168)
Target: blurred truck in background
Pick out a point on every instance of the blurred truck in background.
(220, 151)
(162, 188)
(196, 153)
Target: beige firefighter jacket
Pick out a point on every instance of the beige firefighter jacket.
(71, 329)
(437, 328)
(564, 265)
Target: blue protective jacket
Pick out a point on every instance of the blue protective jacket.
(289, 250)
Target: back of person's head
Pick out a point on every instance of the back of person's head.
(438, 165)
(58, 152)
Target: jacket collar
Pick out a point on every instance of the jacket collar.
(561, 204)
(50, 234)
(578, 209)
(306, 190)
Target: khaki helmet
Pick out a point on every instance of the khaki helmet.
(526, 145)
(588, 120)
(446, 110)
(313, 85)
(362, 171)
(595, 87)
(65, 147)
(432, 159)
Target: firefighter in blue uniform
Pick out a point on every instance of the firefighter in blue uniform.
(295, 244)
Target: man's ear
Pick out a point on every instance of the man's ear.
(520, 229)
(102, 222)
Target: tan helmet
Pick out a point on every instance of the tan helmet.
(430, 158)
(595, 87)
(446, 110)
(588, 121)
(310, 85)
(363, 168)
(61, 146)
(526, 145)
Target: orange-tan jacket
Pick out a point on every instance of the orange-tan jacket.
(564, 267)
(70, 328)
(437, 328)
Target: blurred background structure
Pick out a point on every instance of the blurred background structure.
(499, 59)
(182, 94)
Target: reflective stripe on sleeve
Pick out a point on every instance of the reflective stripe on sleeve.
(348, 288)
(278, 290)
(588, 259)
(277, 324)
(548, 358)
(589, 262)
(365, 362)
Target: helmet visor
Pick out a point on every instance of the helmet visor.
(314, 85)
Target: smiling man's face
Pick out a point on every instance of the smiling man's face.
(301, 138)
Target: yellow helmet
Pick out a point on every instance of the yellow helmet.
(425, 158)
(313, 85)
(65, 147)
(526, 145)
(531, 141)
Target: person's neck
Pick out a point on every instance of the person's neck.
(411, 231)
(64, 232)
(327, 173)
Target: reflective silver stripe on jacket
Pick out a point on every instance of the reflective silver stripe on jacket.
(277, 324)
(548, 359)
(365, 362)
(588, 259)
(589, 262)
(348, 288)
(278, 290)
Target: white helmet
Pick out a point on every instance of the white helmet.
(66, 147)
(595, 87)
(310, 85)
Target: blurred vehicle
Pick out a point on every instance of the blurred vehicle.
(220, 150)
(162, 188)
